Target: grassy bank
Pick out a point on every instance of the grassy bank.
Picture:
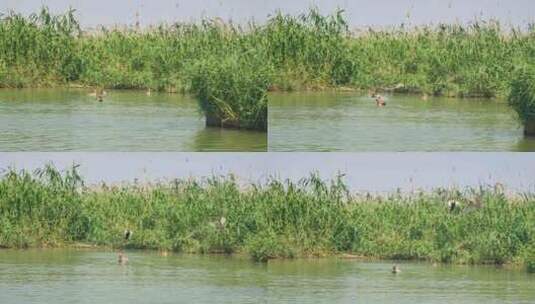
(307, 51)
(267, 221)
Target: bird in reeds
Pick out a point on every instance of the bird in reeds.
(148, 92)
(453, 205)
(127, 234)
(380, 101)
(395, 269)
(122, 259)
(219, 224)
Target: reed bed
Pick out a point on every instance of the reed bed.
(309, 51)
(232, 91)
(274, 220)
(522, 98)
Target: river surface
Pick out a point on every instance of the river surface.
(82, 276)
(70, 120)
(350, 122)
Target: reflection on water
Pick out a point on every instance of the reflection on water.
(67, 120)
(68, 276)
(350, 122)
(218, 139)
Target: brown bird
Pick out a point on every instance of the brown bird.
(380, 101)
(122, 259)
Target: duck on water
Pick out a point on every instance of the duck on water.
(379, 100)
(98, 94)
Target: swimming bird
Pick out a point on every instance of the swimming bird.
(395, 269)
(122, 259)
(380, 101)
(98, 94)
(425, 97)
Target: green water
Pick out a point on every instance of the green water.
(71, 276)
(351, 122)
(70, 120)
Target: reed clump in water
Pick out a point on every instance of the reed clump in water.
(522, 98)
(305, 51)
(278, 219)
(530, 259)
(232, 91)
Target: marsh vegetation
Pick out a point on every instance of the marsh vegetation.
(522, 98)
(230, 67)
(274, 220)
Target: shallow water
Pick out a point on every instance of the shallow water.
(71, 276)
(70, 120)
(351, 122)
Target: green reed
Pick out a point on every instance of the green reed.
(522, 94)
(277, 219)
(232, 90)
(305, 51)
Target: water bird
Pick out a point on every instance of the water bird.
(148, 92)
(425, 97)
(395, 269)
(219, 224)
(380, 101)
(98, 94)
(453, 204)
(127, 234)
(122, 259)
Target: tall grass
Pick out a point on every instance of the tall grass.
(522, 98)
(305, 51)
(232, 91)
(277, 219)
(39, 50)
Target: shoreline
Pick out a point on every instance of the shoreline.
(344, 256)
(279, 219)
(326, 89)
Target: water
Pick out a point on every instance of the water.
(351, 122)
(67, 120)
(82, 276)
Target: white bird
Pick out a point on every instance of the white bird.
(453, 204)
